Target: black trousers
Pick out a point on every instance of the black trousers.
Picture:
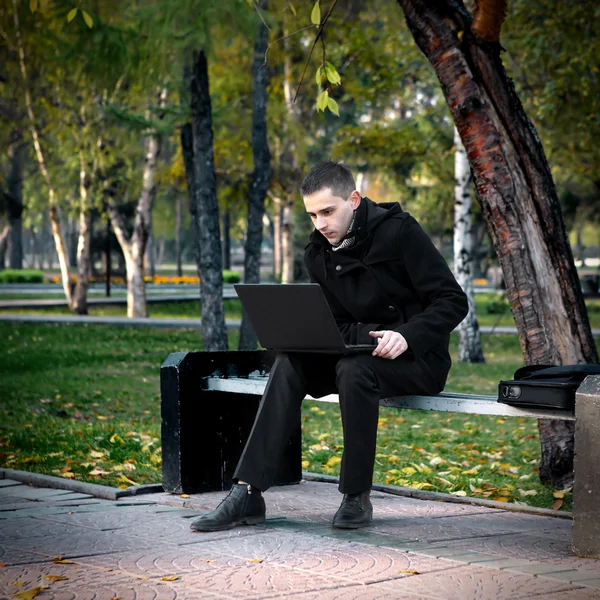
(360, 380)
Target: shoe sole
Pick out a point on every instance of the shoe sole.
(352, 525)
(252, 521)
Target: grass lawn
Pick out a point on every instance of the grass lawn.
(83, 402)
(191, 309)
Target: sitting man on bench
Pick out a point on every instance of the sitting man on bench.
(386, 284)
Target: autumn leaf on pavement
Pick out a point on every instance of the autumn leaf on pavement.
(409, 571)
(55, 578)
(170, 578)
(255, 560)
(18, 583)
(184, 496)
(2, 564)
(30, 593)
(60, 561)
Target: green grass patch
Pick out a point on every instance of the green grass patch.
(83, 402)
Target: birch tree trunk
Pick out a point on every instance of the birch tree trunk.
(14, 204)
(84, 242)
(518, 199)
(134, 246)
(227, 239)
(3, 246)
(178, 227)
(277, 221)
(259, 183)
(469, 344)
(54, 210)
(287, 240)
(198, 156)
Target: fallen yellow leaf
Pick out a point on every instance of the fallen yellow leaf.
(55, 577)
(30, 593)
(116, 438)
(557, 504)
(560, 494)
(409, 471)
(459, 493)
(170, 578)
(96, 454)
(18, 583)
(59, 561)
(99, 471)
(409, 571)
(334, 460)
(255, 560)
(500, 499)
(185, 496)
(2, 564)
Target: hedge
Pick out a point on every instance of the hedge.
(21, 276)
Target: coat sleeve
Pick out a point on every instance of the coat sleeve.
(352, 331)
(444, 303)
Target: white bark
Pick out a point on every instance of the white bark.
(134, 247)
(469, 348)
(84, 243)
(55, 218)
(287, 241)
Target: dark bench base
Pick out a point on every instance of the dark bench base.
(204, 432)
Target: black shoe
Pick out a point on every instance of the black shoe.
(355, 511)
(244, 505)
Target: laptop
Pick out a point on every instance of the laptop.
(294, 318)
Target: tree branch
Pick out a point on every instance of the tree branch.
(488, 18)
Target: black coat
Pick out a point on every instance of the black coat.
(392, 278)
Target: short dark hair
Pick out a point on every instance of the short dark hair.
(329, 174)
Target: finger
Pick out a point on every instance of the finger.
(387, 348)
(376, 334)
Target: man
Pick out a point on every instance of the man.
(386, 284)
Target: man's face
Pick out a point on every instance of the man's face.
(331, 215)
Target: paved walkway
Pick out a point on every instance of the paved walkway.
(76, 546)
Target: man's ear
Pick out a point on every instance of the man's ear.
(354, 199)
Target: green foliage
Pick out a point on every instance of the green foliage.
(231, 276)
(21, 276)
(497, 306)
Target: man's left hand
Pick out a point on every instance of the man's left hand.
(390, 344)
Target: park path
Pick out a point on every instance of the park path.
(78, 546)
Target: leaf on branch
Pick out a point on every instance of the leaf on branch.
(332, 105)
(315, 15)
(331, 73)
(71, 15)
(88, 20)
(319, 76)
(33, 4)
(292, 8)
(322, 101)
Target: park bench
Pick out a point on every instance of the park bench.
(209, 401)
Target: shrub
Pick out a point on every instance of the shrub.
(497, 306)
(231, 276)
(21, 276)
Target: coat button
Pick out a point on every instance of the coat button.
(391, 308)
(338, 268)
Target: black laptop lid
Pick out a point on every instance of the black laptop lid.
(291, 317)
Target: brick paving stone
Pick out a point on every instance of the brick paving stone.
(356, 592)
(31, 493)
(476, 583)
(573, 576)
(86, 583)
(12, 556)
(578, 594)
(85, 543)
(12, 530)
(595, 583)
(9, 483)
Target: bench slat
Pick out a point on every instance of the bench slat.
(444, 402)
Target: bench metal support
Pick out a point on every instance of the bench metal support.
(586, 486)
(203, 431)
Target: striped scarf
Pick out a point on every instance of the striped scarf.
(346, 241)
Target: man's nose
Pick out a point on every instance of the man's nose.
(320, 223)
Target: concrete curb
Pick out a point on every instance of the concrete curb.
(93, 489)
(440, 497)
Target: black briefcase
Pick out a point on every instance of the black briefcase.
(545, 386)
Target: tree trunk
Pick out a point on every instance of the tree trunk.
(259, 183)
(3, 245)
(515, 189)
(54, 210)
(277, 229)
(84, 244)
(134, 247)
(287, 241)
(227, 239)
(200, 173)
(14, 204)
(469, 345)
(178, 226)
(150, 255)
